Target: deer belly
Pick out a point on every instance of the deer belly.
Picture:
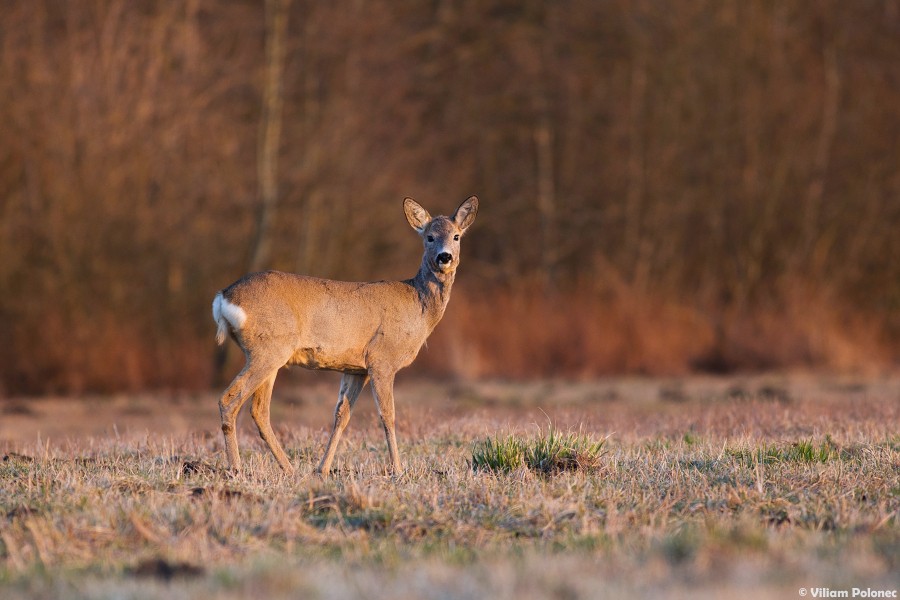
(318, 358)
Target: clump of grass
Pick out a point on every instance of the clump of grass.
(557, 451)
(550, 452)
(802, 451)
(808, 452)
(498, 455)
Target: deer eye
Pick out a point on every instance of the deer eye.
(456, 238)
(430, 238)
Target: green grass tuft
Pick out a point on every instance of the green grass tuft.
(550, 452)
(498, 455)
(802, 451)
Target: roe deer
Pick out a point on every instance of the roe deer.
(368, 331)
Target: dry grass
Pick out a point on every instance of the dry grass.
(753, 487)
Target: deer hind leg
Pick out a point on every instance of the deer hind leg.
(260, 410)
(236, 394)
(383, 388)
(351, 386)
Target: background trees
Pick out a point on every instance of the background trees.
(695, 185)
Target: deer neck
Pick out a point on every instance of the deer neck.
(434, 291)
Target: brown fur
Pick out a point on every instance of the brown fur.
(368, 331)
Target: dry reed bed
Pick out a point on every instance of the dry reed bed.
(729, 495)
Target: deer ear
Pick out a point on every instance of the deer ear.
(417, 216)
(465, 214)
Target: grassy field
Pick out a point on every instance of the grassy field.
(752, 487)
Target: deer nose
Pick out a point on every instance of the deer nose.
(444, 257)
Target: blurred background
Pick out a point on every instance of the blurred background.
(667, 187)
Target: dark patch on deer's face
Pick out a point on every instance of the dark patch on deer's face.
(441, 238)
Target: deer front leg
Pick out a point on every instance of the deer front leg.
(351, 386)
(383, 388)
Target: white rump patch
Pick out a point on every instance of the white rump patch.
(225, 313)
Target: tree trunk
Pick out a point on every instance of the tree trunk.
(269, 131)
(267, 151)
